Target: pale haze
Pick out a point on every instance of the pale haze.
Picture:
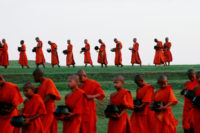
(60, 20)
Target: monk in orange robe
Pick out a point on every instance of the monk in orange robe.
(120, 123)
(4, 56)
(93, 91)
(142, 115)
(118, 53)
(167, 52)
(9, 94)
(54, 54)
(187, 120)
(39, 53)
(102, 58)
(70, 56)
(164, 119)
(159, 58)
(23, 61)
(49, 93)
(1, 51)
(33, 109)
(135, 53)
(87, 56)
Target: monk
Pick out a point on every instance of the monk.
(33, 109)
(167, 51)
(1, 51)
(102, 58)
(187, 120)
(4, 56)
(120, 123)
(49, 93)
(54, 54)
(118, 54)
(159, 58)
(39, 53)
(164, 119)
(142, 117)
(70, 56)
(93, 91)
(87, 56)
(135, 59)
(23, 61)
(9, 95)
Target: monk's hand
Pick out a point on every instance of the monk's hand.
(162, 108)
(183, 91)
(90, 97)
(26, 121)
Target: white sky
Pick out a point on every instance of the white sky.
(59, 20)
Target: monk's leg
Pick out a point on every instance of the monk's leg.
(140, 64)
(85, 64)
(22, 66)
(43, 65)
(132, 64)
(52, 66)
(28, 67)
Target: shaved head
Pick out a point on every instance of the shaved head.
(81, 72)
(74, 77)
(2, 80)
(38, 72)
(139, 78)
(190, 71)
(119, 78)
(29, 85)
(198, 74)
(162, 78)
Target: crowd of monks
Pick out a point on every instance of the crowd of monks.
(163, 54)
(39, 105)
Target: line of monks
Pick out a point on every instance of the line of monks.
(162, 53)
(152, 115)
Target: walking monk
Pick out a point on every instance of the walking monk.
(165, 121)
(39, 53)
(33, 109)
(54, 54)
(87, 56)
(70, 56)
(159, 58)
(135, 53)
(120, 123)
(10, 98)
(49, 93)
(93, 91)
(23, 61)
(102, 58)
(118, 53)
(167, 52)
(142, 115)
(4, 56)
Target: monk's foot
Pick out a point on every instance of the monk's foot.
(122, 65)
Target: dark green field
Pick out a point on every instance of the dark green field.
(176, 76)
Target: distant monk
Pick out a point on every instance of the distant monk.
(93, 91)
(11, 97)
(39, 53)
(142, 115)
(49, 93)
(135, 53)
(167, 52)
(118, 54)
(70, 56)
(187, 108)
(4, 56)
(122, 98)
(54, 54)
(1, 51)
(23, 61)
(159, 58)
(87, 56)
(102, 58)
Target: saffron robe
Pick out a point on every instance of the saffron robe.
(196, 114)
(54, 54)
(70, 56)
(159, 58)
(39, 54)
(87, 56)
(167, 52)
(1, 51)
(135, 54)
(22, 57)
(102, 58)
(4, 56)
(118, 53)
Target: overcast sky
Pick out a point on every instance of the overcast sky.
(59, 20)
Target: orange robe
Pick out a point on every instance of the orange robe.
(22, 57)
(75, 101)
(39, 54)
(102, 58)
(159, 58)
(118, 54)
(34, 106)
(54, 54)
(187, 108)
(70, 57)
(87, 56)
(165, 122)
(91, 87)
(1, 51)
(135, 54)
(122, 125)
(4, 56)
(141, 120)
(196, 114)
(9, 93)
(167, 52)
(48, 88)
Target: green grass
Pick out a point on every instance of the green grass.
(176, 76)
